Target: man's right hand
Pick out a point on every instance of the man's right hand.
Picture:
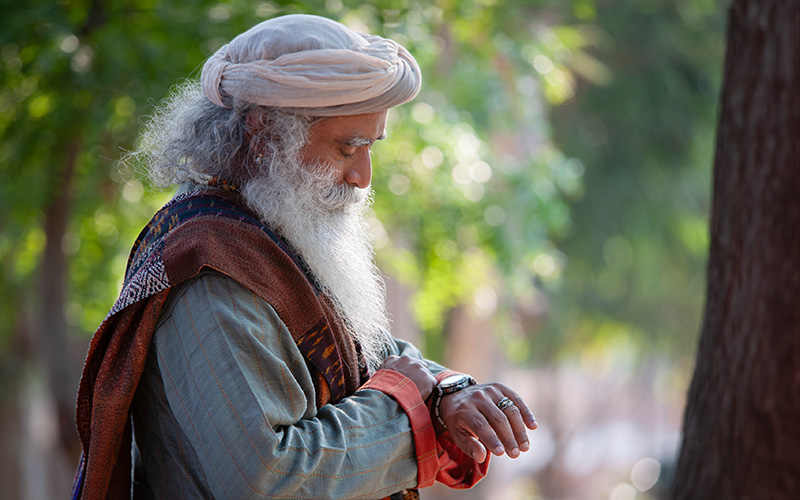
(414, 369)
(478, 426)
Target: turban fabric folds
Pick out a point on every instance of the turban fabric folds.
(311, 65)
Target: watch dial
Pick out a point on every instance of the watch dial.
(452, 379)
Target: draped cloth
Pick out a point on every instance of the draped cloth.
(191, 233)
(311, 65)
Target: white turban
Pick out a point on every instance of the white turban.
(311, 65)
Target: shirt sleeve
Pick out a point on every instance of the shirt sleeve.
(242, 402)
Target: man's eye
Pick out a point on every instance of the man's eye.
(348, 152)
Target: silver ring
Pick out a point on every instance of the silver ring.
(504, 404)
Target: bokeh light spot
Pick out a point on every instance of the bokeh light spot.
(494, 215)
(40, 106)
(399, 184)
(623, 491)
(545, 265)
(70, 43)
(423, 112)
(125, 106)
(645, 473)
(432, 157)
(543, 64)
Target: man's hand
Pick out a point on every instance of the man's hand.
(414, 369)
(476, 424)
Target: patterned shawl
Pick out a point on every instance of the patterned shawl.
(197, 230)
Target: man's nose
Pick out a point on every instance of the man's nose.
(360, 172)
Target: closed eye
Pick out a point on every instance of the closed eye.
(350, 145)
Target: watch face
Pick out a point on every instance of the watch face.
(454, 383)
(453, 380)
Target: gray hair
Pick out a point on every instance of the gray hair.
(188, 135)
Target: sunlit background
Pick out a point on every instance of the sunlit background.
(541, 211)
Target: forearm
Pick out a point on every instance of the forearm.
(358, 448)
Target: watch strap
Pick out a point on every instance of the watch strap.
(441, 392)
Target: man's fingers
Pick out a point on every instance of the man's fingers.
(515, 420)
(506, 425)
(470, 445)
(524, 411)
(490, 426)
(478, 451)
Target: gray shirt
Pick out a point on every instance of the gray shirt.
(226, 409)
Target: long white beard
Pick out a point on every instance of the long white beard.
(325, 222)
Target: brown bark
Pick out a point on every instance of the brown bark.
(10, 445)
(742, 421)
(53, 334)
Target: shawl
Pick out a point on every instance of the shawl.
(196, 231)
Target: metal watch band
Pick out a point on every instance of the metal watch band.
(441, 391)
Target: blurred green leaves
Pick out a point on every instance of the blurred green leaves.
(646, 137)
(556, 159)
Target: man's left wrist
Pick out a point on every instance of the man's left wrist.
(448, 385)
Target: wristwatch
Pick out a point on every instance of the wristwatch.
(449, 385)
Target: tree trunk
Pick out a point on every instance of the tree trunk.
(742, 421)
(53, 335)
(10, 445)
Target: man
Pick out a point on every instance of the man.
(248, 355)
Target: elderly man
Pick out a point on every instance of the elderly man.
(248, 355)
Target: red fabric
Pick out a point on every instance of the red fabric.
(438, 458)
(457, 469)
(119, 348)
(405, 392)
(113, 367)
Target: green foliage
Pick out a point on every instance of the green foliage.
(79, 76)
(468, 186)
(476, 203)
(647, 139)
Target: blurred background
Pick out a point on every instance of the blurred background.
(541, 211)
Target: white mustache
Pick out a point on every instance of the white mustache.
(340, 196)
